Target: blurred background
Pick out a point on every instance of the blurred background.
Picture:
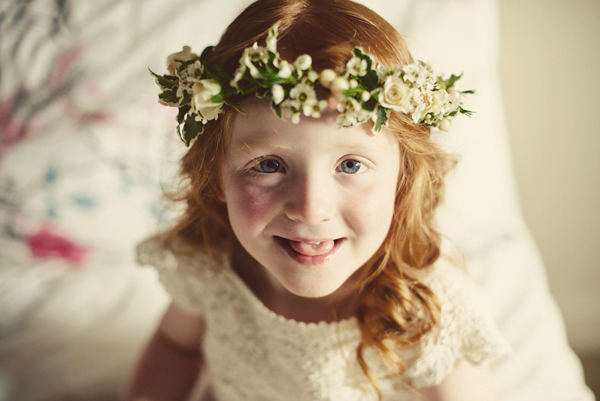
(550, 74)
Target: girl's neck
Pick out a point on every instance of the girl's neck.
(340, 305)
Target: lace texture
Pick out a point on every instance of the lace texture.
(254, 354)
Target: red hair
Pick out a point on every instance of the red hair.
(328, 30)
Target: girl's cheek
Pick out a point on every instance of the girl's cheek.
(252, 203)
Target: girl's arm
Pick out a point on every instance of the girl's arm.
(465, 383)
(171, 362)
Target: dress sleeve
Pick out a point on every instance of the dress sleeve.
(466, 330)
(180, 276)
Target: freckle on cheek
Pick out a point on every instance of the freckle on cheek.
(253, 204)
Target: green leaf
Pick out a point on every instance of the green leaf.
(169, 97)
(370, 104)
(165, 81)
(183, 110)
(370, 80)
(467, 113)
(452, 80)
(191, 129)
(218, 98)
(234, 106)
(187, 98)
(277, 109)
(382, 117)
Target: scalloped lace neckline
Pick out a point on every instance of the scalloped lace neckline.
(342, 324)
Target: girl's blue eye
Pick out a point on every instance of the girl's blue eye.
(268, 166)
(350, 166)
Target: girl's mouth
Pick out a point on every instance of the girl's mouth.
(309, 251)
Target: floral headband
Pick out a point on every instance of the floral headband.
(362, 91)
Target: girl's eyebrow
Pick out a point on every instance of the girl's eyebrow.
(259, 145)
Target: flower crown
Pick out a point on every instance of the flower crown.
(364, 90)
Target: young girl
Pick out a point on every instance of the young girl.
(306, 265)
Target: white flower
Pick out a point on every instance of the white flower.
(315, 109)
(365, 96)
(238, 75)
(452, 104)
(180, 57)
(395, 95)
(312, 76)
(351, 112)
(327, 76)
(304, 93)
(303, 62)
(285, 69)
(415, 74)
(252, 55)
(417, 103)
(272, 39)
(339, 84)
(202, 92)
(357, 66)
(195, 71)
(383, 71)
(277, 94)
(291, 108)
(445, 124)
(438, 99)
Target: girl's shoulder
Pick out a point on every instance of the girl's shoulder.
(182, 270)
(466, 328)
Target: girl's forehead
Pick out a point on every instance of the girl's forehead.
(260, 127)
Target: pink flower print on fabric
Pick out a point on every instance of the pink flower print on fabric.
(46, 244)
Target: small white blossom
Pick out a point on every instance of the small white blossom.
(383, 71)
(312, 76)
(340, 84)
(238, 75)
(304, 93)
(445, 124)
(327, 76)
(291, 109)
(314, 110)
(254, 55)
(357, 66)
(452, 104)
(194, 71)
(285, 69)
(272, 39)
(415, 74)
(303, 62)
(277, 94)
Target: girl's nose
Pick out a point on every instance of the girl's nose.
(311, 200)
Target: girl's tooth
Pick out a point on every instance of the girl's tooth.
(312, 249)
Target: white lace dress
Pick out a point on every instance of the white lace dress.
(254, 354)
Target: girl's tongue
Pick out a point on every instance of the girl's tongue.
(312, 248)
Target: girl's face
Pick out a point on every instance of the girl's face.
(310, 202)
